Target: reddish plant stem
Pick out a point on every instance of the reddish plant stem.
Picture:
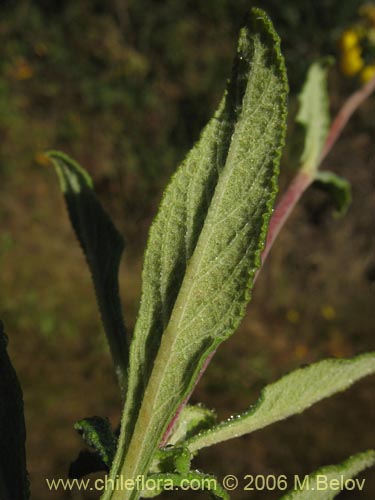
(345, 113)
(303, 179)
(288, 201)
(284, 208)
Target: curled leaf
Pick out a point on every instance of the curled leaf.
(98, 434)
(102, 245)
(338, 187)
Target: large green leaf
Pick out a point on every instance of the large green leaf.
(290, 395)
(205, 244)
(327, 482)
(102, 245)
(14, 483)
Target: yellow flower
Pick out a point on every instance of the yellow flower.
(351, 61)
(348, 40)
(368, 73)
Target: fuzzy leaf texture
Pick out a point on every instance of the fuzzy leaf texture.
(98, 434)
(326, 483)
(171, 459)
(205, 244)
(290, 395)
(313, 115)
(14, 483)
(191, 421)
(102, 245)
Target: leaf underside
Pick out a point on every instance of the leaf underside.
(14, 483)
(325, 483)
(102, 245)
(205, 243)
(290, 395)
(192, 420)
(313, 115)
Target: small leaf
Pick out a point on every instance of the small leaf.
(173, 482)
(337, 187)
(102, 245)
(290, 395)
(14, 484)
(327, 482)
(205, 244)
(171, 459)
(313, 114)
(97, 433)
(191, 421)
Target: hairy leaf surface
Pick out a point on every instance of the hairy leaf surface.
(205, 243)
(14, 483)
(313, 114)
(191, 421)
(102, 245)
(326, 483)
(290, 395)
(171, 459)
(98, 434)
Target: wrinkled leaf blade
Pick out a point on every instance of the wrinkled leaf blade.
(14, 483)
(290, 395)
(206, 241)
(318, 485)
(102, 245)
(313, 115)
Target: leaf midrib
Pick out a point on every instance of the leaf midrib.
(169, 337)
(215, 203)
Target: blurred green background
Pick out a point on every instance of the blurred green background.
(125, 87)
